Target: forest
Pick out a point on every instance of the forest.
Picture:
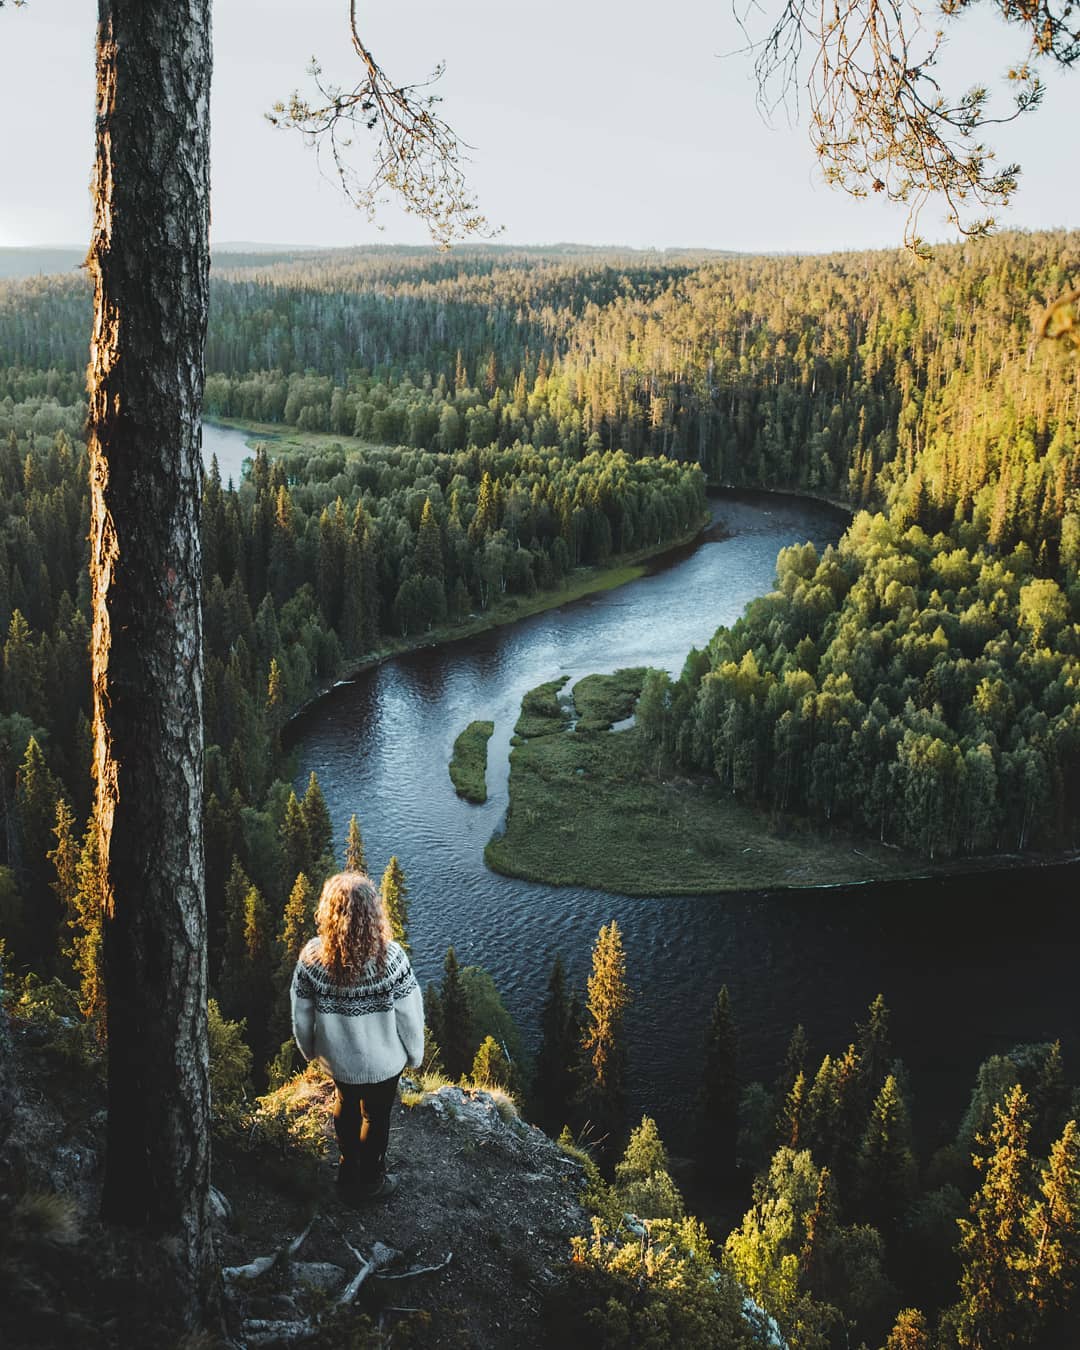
(918, 683)
(506, 417)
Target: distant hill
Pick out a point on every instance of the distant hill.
(33, 261)
(29, 262)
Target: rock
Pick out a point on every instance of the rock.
(323, 1275)
(257, 1331)
(382, 1255)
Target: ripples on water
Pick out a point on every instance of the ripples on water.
(964, 972)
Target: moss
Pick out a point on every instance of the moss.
(468, 765)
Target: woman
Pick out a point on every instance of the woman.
(357, 1009)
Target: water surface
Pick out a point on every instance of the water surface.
(231, 448)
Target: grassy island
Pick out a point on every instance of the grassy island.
(468, 764)
(586, 809)
(541, 712)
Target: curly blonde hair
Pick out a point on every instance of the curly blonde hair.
(353, 925)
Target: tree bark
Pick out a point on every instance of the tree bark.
(149, 258)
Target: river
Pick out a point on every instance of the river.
(231, 448)
(968, 966)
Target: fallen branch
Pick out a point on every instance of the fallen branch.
(417, 1270)
(353, 1287)
(262, 1264)
(381, 1255)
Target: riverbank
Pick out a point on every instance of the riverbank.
(587, 808)
(837, 504)
(581, 582)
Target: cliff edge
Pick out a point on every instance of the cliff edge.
(471, 1250)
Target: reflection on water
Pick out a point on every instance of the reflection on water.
(963, 975)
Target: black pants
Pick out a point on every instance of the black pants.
(362, 1124)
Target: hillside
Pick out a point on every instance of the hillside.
(488, 1203)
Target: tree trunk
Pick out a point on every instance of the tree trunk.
(150, 262)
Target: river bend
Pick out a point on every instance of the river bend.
(968, 966)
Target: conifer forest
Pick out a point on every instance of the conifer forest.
(444, 436)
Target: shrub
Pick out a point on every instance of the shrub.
(230, 1060)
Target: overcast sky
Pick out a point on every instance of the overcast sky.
(596, 121)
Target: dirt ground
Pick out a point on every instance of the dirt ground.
(485, 1208)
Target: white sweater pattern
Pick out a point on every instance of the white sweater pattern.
(363, 1032)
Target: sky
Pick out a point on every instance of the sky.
(592, 121)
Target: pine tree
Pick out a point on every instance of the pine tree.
(642, 1178)
(605, 1051)
(454, 1014)
(255, 977)
(1053, 1232)
(283, 575)
(395, 894)
(484, 519)
(297, 926)
(993, 1310)
(296, 854)
(794, 1064)
(873, 1050)
(848, 1119)
(23, 687)
(65, 860)
(320, 828)
(886, 1165)
(354, 848)
(489, 1068)
(231, 976)
(275, 705)
(433, 1020)
(256, 927)
(351, 629)
(820, 1106)
(793, 1121)
(428, 555)
(718, 1098)
(37, 791)
(86, 924)
(557, 1062)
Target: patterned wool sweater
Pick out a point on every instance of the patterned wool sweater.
(363, 1032)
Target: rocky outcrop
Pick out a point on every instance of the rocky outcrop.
(469, 1250)
(470, 1245)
